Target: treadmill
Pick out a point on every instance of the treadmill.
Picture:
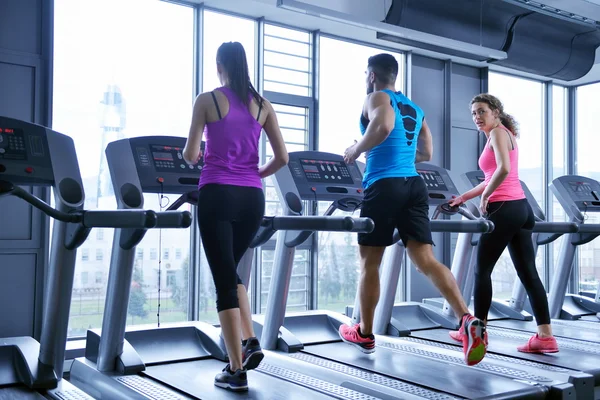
(32, 155)
(543, 233)
(179, 361)
(398, 320)
(312, 337)
(578, 196)
(578, 360)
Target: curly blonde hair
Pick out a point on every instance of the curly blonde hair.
(496, 105)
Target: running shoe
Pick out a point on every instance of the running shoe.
(536, 344)
(351, 335)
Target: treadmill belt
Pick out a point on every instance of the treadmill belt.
(456, 380)
(19, 393)
(572, 330)
(196, 378)
(565, 358)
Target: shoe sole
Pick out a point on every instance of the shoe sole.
(539, 351)
(476, 348)
(366, 351)
(253, 360)
(228, 386)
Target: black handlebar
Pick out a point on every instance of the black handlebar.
(318, 223)
(589, 228)
(556, 227)
(173, 219)
(7, 188)
(118, 218)
(477, 226)
(87, 218)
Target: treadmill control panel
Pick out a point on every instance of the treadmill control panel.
(577, 194)
(24, 155)
(433, 180)
(321, 176)
(158, 161)
(325, 171)
(439, 184)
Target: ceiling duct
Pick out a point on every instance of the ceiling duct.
(542, 43)
(408, 36)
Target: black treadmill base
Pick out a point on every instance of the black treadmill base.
(456, 380)
(196, 378)
(565, 358)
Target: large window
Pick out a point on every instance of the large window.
(287, 84)
(342, 92)
(132, 77)
(558, 162)
(287, 62)
(587, 165)
(523, 99)
(219, 28)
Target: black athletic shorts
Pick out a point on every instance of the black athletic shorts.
(401, 203)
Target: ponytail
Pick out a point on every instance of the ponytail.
(232, 56)
(510, 123)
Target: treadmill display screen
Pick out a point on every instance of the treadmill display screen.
(326, 171)
(12, 144)
(581, 190)
(170, 159)
(433, 180)
(162, 156)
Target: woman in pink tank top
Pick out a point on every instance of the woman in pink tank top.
(503, 202)
(231, 202)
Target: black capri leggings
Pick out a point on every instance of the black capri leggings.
(228, 218)
(514, 221)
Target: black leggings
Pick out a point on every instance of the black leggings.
(514, 221)
(228, 218)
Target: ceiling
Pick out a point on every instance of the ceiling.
(269, 10)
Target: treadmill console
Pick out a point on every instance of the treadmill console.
(158, 161)
(577, 194)
(474, 178)
(24, 153)
(321, 176)
(438, 182)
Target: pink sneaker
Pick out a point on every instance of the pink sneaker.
(536, 344)
(459, 335)
(350, 335)
(474, 347)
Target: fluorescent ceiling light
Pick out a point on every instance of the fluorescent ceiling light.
(397, 34)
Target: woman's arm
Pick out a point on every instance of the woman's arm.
(280, 154)
(191, 152)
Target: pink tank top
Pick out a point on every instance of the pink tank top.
(510, 188)
(231, 150)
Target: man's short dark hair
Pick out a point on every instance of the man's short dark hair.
(385, 67)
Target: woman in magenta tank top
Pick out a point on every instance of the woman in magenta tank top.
(503, 202)
(231, 202)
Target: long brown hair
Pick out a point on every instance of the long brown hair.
(496, 105)
(232, 56)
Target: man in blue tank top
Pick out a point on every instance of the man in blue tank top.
(395, 137)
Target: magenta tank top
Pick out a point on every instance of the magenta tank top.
(510, 188)
(231, 149)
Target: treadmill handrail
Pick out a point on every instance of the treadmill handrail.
(469, 226)
(320, 223)
(556, 227)
(173, 219)
(88, 219)
(589, 228)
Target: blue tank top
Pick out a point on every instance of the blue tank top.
(395, 156)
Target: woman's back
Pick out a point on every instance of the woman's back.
(232, 138)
